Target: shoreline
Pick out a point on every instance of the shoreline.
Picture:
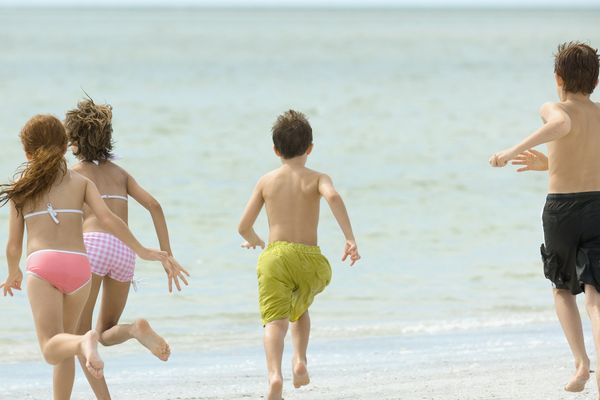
(525, 362)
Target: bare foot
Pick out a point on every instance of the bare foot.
(142, 331)
(275, 388)
(89, 351)
(578, 381)
(300, 373)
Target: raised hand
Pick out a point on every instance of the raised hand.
(13, 282)
(174, 272)
(350, 250)
(532, 160)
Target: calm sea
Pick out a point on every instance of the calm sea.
(406, 107)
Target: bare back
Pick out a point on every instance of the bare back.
(292, 200)
(573, 160)
(110, 179)
(42, 232)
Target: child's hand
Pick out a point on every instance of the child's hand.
(532, 160)
(502, 158)
(153, 255)
(13, 281)
(248, 245)
(351, 250)
(175, 272)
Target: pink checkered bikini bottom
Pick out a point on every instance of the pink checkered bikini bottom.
(109, 256)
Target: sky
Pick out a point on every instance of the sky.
(309, 3)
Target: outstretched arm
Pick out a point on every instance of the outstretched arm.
(556, 125)
(338, 208)
(245, 227)
(173, 269)
(116, 226)
(532, 160)
(14, 249)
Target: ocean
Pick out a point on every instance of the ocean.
(406, 107)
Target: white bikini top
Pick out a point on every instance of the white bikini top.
(114, 196)
(53, 213)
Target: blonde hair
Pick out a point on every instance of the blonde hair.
(89, 128)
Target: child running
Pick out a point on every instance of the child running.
(89, 130)
(571, 217)
(291, 271)
(47, 200)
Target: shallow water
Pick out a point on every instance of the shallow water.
(406, 107)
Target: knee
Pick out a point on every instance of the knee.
(48, 355)
(592, 299)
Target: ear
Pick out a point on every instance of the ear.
(309, 150)
(28, 156)
(277, 153)
(559, 81)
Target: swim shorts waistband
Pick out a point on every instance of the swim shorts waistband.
(573, 196)
(304, 248)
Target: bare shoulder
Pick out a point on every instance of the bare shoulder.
(78, 178)
(554, 111)
(117, 169)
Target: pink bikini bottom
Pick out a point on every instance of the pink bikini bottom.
(67, 271)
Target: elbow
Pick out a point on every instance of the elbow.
(243, 229)
(333, 197)
(106, 220)
(154, 206)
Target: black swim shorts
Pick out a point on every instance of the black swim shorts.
(571, 252)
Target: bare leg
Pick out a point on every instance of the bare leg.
(98, 386)
(592, 302)
(64, 372)
(50, 310)
(570, 320)
(300, 336)
(114, 298)
(274, 339)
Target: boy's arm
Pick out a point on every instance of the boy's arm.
(336, 204)
(14, 249)
(245, 227)
(172, 268)
(557, 124)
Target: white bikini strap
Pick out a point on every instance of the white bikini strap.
(114, 196)
(53, 213)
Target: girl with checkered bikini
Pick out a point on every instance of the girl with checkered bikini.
(89, 128)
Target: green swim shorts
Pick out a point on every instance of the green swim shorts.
(290, 275)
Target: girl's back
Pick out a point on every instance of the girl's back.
(63, 203)
(111, 181)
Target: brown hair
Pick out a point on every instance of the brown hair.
(45, 143)
(89, 127)
(577, 64)
(292, 134)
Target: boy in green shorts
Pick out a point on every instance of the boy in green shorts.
(291, 270)
(571, 217)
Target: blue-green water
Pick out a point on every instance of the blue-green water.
(406, 107)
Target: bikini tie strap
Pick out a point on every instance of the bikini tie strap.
(53, 214)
